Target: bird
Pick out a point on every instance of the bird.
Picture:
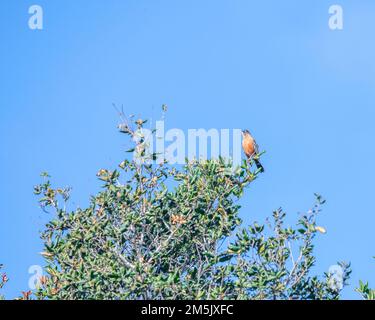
(251, 148)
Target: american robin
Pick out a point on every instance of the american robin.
(250, 147)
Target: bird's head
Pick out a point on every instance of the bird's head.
(245, 132)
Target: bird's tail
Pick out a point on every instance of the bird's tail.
(259, 165)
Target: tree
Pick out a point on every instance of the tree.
(3, 280)
(157, 231)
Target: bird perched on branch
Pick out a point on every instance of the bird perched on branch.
(251, 149)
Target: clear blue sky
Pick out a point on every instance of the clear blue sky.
(305, 91)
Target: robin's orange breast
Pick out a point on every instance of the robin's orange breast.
(248, 147)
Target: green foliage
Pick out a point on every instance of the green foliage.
(365, 291)
(159, 232)
(266, 267)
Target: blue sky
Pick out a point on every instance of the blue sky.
(306, 92)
